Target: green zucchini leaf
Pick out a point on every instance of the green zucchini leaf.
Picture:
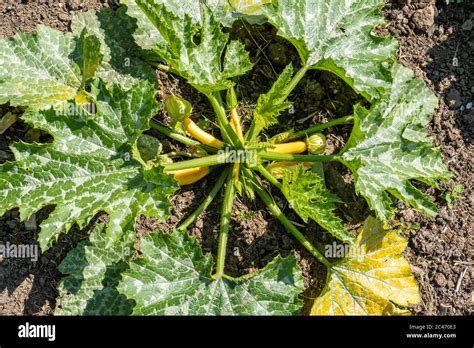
(92, 272)
(89, 167)
(389, 147)
(174, 278)
(307, 195)
(199, 52)
(336, 36)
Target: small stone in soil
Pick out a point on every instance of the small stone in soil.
(424, 18)
(440, 279)
(454, 99)
(63, 17)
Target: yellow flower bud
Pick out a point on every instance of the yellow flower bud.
(316, 144)
(178, 108)
(198, 151)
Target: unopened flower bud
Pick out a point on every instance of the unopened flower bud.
(178, 108)
(316, 144)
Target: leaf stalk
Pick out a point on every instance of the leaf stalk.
(225, 225)
(273, 156)
(158, 126)
(207, 161)
(275, 210)
(205, 204)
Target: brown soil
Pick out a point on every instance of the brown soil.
(437, 43)
(440, 249)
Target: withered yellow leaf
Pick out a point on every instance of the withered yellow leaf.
(372, 280)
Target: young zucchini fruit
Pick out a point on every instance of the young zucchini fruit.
(315, 145)
(278, 169)
(234, 115)
(189, 176)
(294, 147)
(179, 110)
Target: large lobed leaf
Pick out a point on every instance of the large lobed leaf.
(336, 35)
(124, 61)
(89, 167)
(389, 147)
(224, 11)
(200, 63)
(93, 270)
(49, 67)
(307, 195)
(35, 68)
(174, 278)
(373, 277)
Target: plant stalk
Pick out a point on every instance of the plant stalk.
(179, 137)
(207, 161)
(267, 175)
(274, 156)
(205, 204)
(319, 127)
(227, 132)
(225, 225)
(178, 154)
(275, 210)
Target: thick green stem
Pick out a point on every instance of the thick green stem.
(320, 127)
(205, 204)
(163, 67)
(267, 175)
(225, 225)
(207, 161)
(227, 132)
(178, 154)
(275, 210)
(253, 131)
(295, 80)
(274, 156)
(179, 137)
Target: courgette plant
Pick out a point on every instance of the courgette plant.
(103, 161)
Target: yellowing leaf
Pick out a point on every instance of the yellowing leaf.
(251, 7)
(7, 121)
(372, 280)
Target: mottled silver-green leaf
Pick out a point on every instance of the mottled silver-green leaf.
(147, 150)
(174, 278)
(35, 68)
(336, 35)
(225, 11)
(389, 147)
(92, 271)
(87, 55)
(145, 34)
(307, 195)
(123, 60)
(88, 167)
(195, 50)
(228, 11)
